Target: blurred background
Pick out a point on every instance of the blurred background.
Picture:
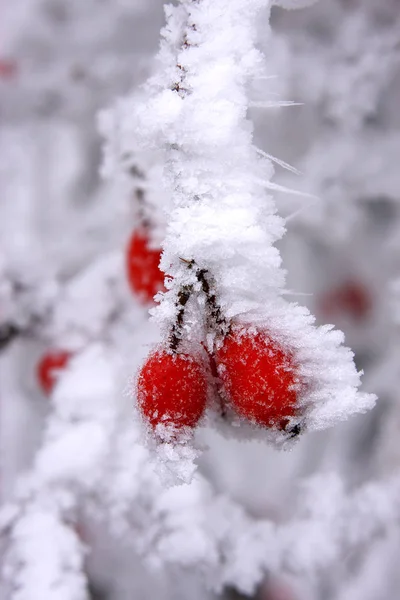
(65, 230)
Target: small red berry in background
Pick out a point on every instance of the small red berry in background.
(144, 275)
(49, 367)
(259, 379)
(351, 298)
(81, 532)
(274, 589)
(8, 68)
(172, 389)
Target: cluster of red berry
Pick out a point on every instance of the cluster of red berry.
(249, 370)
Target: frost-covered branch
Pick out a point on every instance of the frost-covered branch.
(43, 554)
(222, 222)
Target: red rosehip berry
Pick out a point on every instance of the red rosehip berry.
(49, 367)
(355, 300)
(144, 275)
(172, 389)
(259, 378)
(8, 68)
(351, 298)
(276, 590)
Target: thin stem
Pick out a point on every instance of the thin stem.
(140, 195)
(218, 320)
(176, 332)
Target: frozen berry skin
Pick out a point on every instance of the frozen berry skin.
(172, 390)
(144, 275)
(49, 367)
(259, 379)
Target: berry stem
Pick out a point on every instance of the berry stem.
(218, 321)
(140, 195)
(176, 333)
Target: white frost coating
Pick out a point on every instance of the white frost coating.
(83, 420)
(222, 217)
(172, 459)
(74, 321)
(131, 169)
(46, 559)
(195, 527)
(44, 555)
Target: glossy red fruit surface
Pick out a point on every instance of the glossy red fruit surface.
(172, 389)
(259, 379)
(144, 275)
(49, 367)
